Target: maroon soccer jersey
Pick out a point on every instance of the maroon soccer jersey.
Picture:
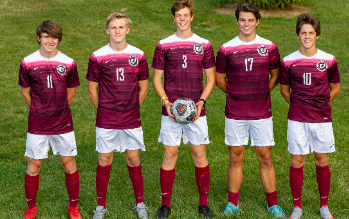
(247, 66)
(183, 61)
(309, 78)
(118, 74)
(48, 80)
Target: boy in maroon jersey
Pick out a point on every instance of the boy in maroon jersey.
(117, 85)
(243, 67)
(313, 77)
(48, 81)
(181, 58)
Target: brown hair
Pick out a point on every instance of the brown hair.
(118, 15)
(180, 4)
(51, 28)
(247, 7)
(306, 18)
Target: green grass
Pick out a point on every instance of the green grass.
(83, 24)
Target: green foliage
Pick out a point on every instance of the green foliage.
(272, 4)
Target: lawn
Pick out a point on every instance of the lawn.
(83, 23)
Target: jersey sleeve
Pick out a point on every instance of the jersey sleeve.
(333, 72)
(284, 76)
(93, 73)
(143, 69)
(159, 58)
(221, 61)
(274, 57)
(209, 60)
(73, 77)
(24, 79)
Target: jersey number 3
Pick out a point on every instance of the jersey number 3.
(184, 65)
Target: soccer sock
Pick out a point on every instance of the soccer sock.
(233, 197)
(136, 177)
(296, 183)
(72, 183)
(31, 186)
(323, 176)
(202, 175)
(272, 198)
(166, 184)
(102, 180)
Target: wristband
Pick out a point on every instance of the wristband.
(164, 100)
(202, 101)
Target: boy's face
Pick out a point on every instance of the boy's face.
(307, 36)
(48, 44)
(247, 23)
(117, 29)
(183, 19)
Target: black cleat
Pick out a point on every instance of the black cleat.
(205, 211)
(164, 212)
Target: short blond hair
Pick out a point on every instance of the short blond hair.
(118, 15)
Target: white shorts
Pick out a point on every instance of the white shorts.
(193, 133)
(37, 146)
(119, 140)
(302, 136)
(260, 131)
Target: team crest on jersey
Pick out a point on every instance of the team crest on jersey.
(262, 50)
(61, 69)
(198, 49)
(133, 61)
(321, 66)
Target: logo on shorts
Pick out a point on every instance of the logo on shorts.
(133, 61)
(332, 146)
(321, 66)
(198, 49)
(262, 50)
(61, 69)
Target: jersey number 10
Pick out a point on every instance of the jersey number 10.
(307, 78)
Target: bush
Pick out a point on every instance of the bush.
(272, 4)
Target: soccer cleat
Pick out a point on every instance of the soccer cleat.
(30, 213)
(325, 213)
(276, 211)
(164, 212)
(297, 213)
(141, 210)
(230, 209)
(74, 213)
(100, 212)
(205, 211)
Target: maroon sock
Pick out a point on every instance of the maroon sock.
(136, 177)
(233, 198)
(166, 184)
(31, 186)
(323, 176)
(272, 198)
(72, 183)
(102, 180)
(296, 183)
(202, 175)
